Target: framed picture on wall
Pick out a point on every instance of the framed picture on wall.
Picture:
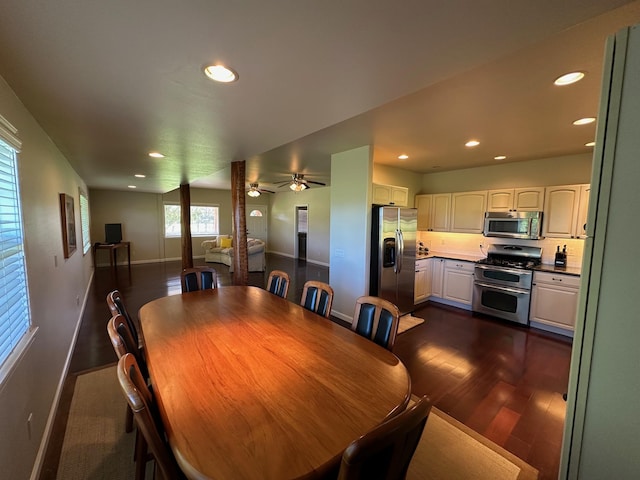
(68, 218)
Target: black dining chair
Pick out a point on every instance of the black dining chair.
(198, 278)
(116, 305)
(317, 297)
(278, 283)
(385, 452)
(377, 319)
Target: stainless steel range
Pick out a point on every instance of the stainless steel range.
(502, 282)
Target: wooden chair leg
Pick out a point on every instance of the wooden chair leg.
(128, 422)
(140, 453)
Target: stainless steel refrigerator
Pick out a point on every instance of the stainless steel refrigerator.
(393, 255)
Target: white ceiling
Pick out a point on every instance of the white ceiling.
(111, 81)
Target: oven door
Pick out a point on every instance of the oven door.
(502, 302)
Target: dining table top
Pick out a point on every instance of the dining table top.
(251, 385)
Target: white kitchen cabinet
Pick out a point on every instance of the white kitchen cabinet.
(583, 211)
(422, 289)
(529, 199)
(390, 195)
(467, 211)
(433, 212)
(562, 210)
(554, 301)
(437, 276)
(458, 281)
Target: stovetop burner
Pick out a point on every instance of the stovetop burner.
(513, 256)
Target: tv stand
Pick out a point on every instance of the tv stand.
(113, 250)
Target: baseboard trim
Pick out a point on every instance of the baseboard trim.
(308, 260)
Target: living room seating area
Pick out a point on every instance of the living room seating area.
(220, 250)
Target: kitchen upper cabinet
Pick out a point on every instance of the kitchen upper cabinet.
(554, 301)
(390, 195)
(530, 199)
(458, 281)
(467, 211)
(562, 212)
(422, 290)
(583, 211)
(433, 211)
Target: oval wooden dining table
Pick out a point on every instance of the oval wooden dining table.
(252, 386)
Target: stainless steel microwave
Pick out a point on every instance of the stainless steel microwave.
(527, 225)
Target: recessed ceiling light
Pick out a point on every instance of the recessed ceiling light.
(590, 144)
(132, 186)
(139, 175)
(499, 157)
(403, 157)
(220, 73)
(569, 78)
(156, 155)
(584, 121)
(472, 143)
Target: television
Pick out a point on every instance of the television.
(112, 232)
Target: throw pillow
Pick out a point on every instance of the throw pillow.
(226, 242)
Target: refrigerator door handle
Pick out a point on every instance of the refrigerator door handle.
(400, 250)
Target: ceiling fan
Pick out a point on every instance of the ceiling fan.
(298, 183)
(254, 191)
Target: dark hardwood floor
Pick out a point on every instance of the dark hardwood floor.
(504, 381)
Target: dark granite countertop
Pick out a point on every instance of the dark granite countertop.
(553, 269)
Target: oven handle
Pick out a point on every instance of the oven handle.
(517, 271)
(504, 289)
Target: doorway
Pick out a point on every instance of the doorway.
(257, 222)
(302, 228)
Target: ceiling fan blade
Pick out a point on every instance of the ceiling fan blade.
(316, 183)
(262, 190)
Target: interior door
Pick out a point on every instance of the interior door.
(257, 222)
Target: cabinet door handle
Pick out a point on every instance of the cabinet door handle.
(556, 279)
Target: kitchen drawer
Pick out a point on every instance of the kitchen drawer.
(459, 265)
(557, 279)
(422, 263)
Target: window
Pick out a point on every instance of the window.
(204, 220)
(84, 220)
(14, 300)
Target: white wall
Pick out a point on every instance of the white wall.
(282, 223)
(55, 284)
(566, 170)
(351, 175)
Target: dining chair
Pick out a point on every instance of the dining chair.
(377, 319)
(317, 297)
(198, 278)
(147, 418)
(117, 306)
(385, 452)
(123, 343)
(278, 283)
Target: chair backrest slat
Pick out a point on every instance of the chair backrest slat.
(198, 278)
(278, 283)
(317, 297)
(116, 306)
(376, 319)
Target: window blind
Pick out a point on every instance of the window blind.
(84, 219)
(14, 300)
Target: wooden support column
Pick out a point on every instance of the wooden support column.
(185, 222)
(240, 256)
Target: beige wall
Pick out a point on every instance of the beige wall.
(142, 218)
(282, 228)
(535, 173)
(57, 289)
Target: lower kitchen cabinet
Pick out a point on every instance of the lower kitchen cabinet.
(458, 281)
(554, 302)
(422, 289)
(437, 274)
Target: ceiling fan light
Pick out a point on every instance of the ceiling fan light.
(253, 193)
(297, 186)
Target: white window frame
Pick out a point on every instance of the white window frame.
(85, 222)
(215, 230)
(16, 330)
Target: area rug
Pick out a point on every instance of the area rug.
(408, 321)
(97, 447)
(95, 443)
